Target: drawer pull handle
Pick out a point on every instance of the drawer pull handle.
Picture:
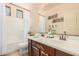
(41, 47)
(44, 53)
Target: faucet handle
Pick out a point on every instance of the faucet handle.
(60, 37)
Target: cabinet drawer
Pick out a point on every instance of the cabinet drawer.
(38, 45)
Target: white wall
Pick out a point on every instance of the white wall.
(12, 31)
(1, 19)
(3, 34)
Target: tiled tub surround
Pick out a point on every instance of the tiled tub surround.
(70, 45)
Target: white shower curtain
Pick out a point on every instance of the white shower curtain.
(27, 23)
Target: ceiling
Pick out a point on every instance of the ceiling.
(44, 8)
(48, 7)
(38, 5)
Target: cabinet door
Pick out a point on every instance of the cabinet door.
(60, 53)
(48, 50)
(35, 51)
(42, 53)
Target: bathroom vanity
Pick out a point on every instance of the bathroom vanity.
(39, 49)
(41, 46)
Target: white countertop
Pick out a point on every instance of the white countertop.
(70, 46)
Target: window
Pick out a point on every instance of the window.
(42, 23)
(8, 11)
(19, 13)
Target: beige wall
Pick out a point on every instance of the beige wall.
(70, 12)
(34, 21)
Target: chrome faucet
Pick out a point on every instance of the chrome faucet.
(63, 36)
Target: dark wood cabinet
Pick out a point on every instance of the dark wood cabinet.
(60, 53)
(39, 49)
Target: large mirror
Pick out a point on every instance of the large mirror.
(62, 18)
